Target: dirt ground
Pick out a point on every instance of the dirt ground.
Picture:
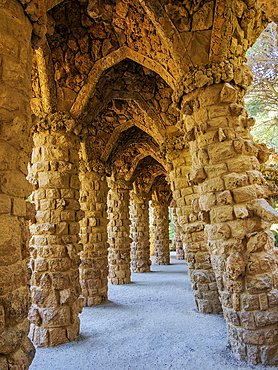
(150, 324)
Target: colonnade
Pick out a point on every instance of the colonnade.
(213, 168)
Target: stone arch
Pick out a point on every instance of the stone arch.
(140, 157)
(112, 141)
(109, 61)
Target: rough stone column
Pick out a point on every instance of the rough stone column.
(232, 190)
(118, 232)
(161, 232)
(178, 238)
(139, 231)
(54, 244)
(16, 350)
(94, 263)
(192, 222)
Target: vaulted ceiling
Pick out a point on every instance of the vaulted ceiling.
(113, 64)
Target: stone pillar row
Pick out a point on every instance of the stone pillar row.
(231, 189)
(192, 223)
(118, 232)
(139, 231)
(16, 350)
(55, 244)
(94, 264)
(161, 232)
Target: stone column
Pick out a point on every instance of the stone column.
(94, 263)
(161, 232)
(192, 222)
(118, 232)
(178, 238)
(54, 244)
(139, 231)
(232, 191)
(16, 350)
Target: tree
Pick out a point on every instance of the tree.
(262, 96)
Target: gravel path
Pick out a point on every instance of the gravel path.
(151, 324)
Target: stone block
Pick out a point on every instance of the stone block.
(261, 208)
(59, 264)
(216, 170)
(247, 320)
(211, 185)
(43, 216)
(218, 111)
(269, 317)
(57, 336)
(53, 179)
(52, 194)
(233, 181)
(47, 204)
(241, 211)
(68, 215)
(268, 262)
(55, 317)
(225, 197)
(258, 284)
(60, 281)
(245, 194)
(52, 153)
(273, 298)
(250, 302)
(221, 214)
(218, 231)
(5, 204)
(221, 152)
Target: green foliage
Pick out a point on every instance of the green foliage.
(171, 227)
(262, 96)
(276, 238)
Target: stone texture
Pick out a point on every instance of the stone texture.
(139, 232)
(192, 217)
(178, 238)
(115, 68)
(93, 232)
(55, 244)
(240, 243)
(118, 232)
(161, 232)
(16, 350)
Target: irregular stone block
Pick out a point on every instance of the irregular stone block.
(258, 284)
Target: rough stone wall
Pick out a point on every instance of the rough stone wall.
(192, 222)
(93, 231)
(16, 350)
(118, 232)
(178, 238)
(232, 191)
(161, 232)
(270, 9)
(54, 244)
(139, 231)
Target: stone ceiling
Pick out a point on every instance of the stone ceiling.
(114, 64)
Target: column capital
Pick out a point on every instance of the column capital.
(118, 184)
(94, 166)
(58, 122)
(234, 71)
